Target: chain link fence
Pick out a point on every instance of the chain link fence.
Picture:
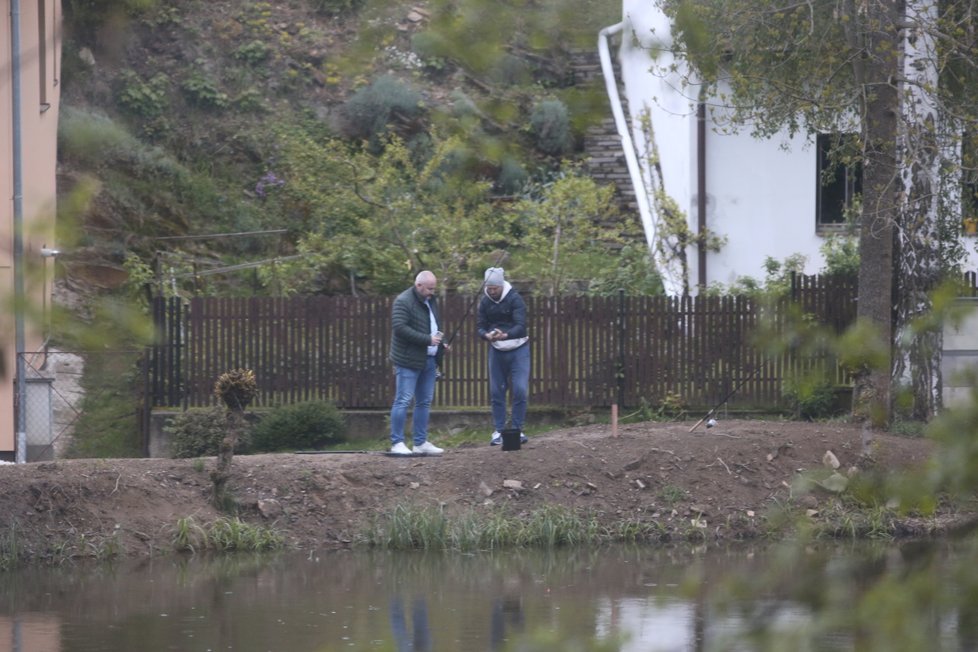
(66, 389)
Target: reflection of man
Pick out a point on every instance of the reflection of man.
(421, 642)
(504, 610)
(502, 321)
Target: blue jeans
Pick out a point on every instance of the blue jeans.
(509, 370)
(417, 385)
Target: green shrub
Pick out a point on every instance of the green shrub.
(145, 99)
(811, 398)
(252, 52)
(88, 17)
(512, 177)
(431, 50)
(336, 7)
(300, 426)
(511, 70)
(369, 111)
(202, 91)
(91, 137)
(550, 127)
(197, 433)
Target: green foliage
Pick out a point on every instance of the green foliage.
(777, 278)
(336, 7)
(202, 91)
(841, 255)
(632, 270)
(512, 177)
(427, 528)
(369, 112)
(426, 46)
(550, 128)
(299, 426)
(89, 17)
(567, 231)
(107, 426)
(224, 535)
(862, 348)
(253, 52)
(92, 137)
(811, 397)
(146, 99)
(375, 221)
(198, 433)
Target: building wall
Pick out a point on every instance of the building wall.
(761, 194)
(39, 130)
(761, 198)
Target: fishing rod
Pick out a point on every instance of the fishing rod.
(478, 297)
(727, 397)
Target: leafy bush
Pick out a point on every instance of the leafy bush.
(369, 111)
(92, 137)
(253, 52)
(88, 17)
(197, 433)
(145, 99)
(202, 91)
(336, 7)
(307, 425)
(841, 254)
(511, 70)
(512, 177)
(811, 398)
(550, 127)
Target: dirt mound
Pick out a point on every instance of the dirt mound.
(720, 480)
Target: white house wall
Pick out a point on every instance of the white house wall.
(761, 194)
(761, 198)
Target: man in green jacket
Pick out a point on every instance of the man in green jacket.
(415, 339)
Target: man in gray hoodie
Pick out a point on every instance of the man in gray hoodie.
(502, 322)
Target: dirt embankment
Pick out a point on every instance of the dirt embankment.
(720, 481)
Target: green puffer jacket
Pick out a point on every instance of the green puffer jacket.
(411, 329)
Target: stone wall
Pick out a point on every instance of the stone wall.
(602, 144)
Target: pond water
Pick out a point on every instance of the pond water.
(616, 598)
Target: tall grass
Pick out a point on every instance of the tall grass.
(431, 528)
(9, 548)
(224, 535)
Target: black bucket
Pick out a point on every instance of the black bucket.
(511, 439)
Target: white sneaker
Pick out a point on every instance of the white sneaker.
(496, 439)
(428, 448)
(400, 449)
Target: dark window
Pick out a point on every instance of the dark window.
(42, 51)
(839, 180)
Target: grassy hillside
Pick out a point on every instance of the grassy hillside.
(174, 116)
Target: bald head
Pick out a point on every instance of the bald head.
(425, 283)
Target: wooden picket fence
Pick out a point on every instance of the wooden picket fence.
(586, 351)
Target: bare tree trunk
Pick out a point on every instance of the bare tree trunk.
(225, 455)
(881, 192)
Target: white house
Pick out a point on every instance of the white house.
(762, 196)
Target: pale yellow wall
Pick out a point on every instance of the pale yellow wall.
(39, 132)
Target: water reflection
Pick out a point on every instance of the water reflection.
(420, 640)
(616, 598)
